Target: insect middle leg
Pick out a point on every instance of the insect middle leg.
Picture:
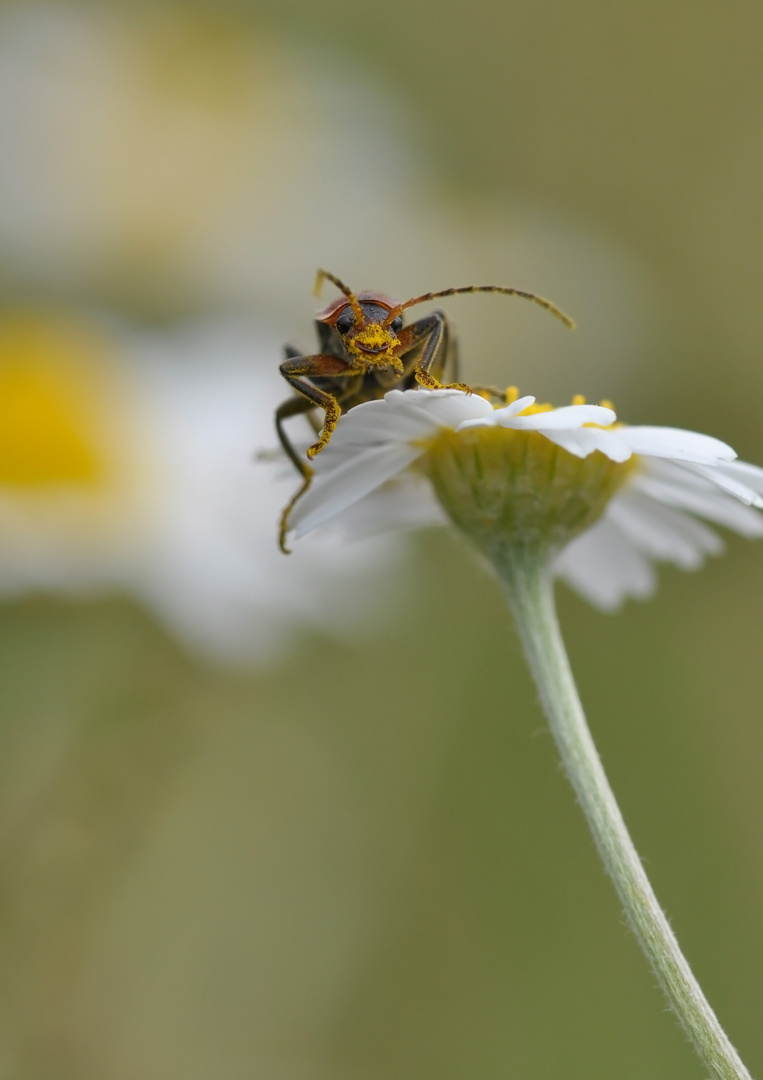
(294, 406)
(293, 369)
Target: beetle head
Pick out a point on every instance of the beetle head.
(362, 322)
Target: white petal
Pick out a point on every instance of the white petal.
(727, 483)
(376, 422)
(493, 417)
(517, 406)
(708, 502)
(661, 531)
(675, 472)
(695, 532)
(405, 502)
(751, 475)
(450, 408)
(569, 416)
(605, 568)
(339, 488)
(583, 441)
(678, 444)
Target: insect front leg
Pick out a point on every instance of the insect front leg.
(297, 369)
(431, 338)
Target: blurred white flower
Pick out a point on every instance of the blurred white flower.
(604, 500)
(127, 461)
(177, 153)
(178, 159)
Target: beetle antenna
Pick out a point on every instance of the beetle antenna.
(541, 300)
(324, 275)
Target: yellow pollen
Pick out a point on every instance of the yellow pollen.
(578, 399)
(512, 393)
(48, 405)
(374, 337)
(607, 404)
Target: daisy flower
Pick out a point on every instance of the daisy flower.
(544, 492)
(127, 464)
(606, 500)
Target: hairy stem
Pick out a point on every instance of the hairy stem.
(527, 582)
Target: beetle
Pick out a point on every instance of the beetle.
(365, 351)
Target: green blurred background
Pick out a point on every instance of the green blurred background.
(360, 860)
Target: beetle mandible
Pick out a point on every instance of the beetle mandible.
(365, 351)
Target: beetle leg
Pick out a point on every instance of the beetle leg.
(283, 527)
(297, 368)
(431, 335)
(291, 354)
(294, 369)
(293, 406)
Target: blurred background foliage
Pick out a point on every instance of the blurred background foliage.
(355, 857)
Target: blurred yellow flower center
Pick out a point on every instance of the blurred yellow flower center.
(48, 406)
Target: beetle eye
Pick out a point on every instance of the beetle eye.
(345, 322)
(396, 325)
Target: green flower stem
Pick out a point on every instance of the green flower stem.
(527, 581)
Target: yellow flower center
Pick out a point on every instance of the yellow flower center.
(508, 488)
